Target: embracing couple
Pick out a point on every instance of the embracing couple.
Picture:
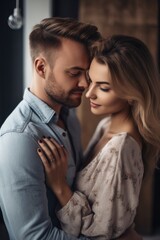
(49, 189)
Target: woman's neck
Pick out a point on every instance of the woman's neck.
(124, 122)
(120, 122)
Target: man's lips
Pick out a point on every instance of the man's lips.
(77, 92)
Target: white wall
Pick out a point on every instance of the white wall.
(34, 11)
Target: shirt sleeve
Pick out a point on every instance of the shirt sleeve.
(109, 208)
(23, 198)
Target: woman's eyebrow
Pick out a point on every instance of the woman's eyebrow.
(103, 82)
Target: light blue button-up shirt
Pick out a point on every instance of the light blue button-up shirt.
(27, 204)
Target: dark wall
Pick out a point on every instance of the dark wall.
(63, 8)
(11, 61)
(11, 71)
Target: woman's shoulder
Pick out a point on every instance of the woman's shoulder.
(123, 143)
(124, 151)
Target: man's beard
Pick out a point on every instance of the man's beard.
(63, 100)
(59, 96)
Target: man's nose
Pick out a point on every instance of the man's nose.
(83, 82)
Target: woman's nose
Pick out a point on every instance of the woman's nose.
(91, 92)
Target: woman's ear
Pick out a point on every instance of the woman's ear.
(40, 66)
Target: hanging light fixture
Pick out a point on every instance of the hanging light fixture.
(15, 20)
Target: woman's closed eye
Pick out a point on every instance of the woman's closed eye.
(104, 88)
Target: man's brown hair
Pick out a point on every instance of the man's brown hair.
(49, 31)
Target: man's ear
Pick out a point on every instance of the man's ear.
(40, 66)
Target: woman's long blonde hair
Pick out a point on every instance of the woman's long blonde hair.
(136, 79)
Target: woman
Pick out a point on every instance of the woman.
(124, 87)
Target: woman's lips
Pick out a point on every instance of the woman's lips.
(94, 105)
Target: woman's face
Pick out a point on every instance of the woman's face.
(103, 99)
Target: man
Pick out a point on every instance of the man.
(60, 57)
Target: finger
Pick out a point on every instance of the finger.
(44, 159)
(50, 154)
(60, 148)
(56, 148)
(53, 145)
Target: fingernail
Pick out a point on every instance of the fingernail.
(40, 141)
(39, 150)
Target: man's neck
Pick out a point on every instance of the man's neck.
(61, 124)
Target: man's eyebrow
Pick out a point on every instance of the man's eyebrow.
(76, 68)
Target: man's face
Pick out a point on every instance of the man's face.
(65, 78)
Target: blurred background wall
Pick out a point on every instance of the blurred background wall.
(139, 18)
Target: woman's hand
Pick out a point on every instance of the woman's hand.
(54, 158)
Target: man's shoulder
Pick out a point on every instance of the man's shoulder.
(18, 119)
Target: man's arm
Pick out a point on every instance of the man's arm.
(23, 192)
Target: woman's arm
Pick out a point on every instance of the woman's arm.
(54, 158)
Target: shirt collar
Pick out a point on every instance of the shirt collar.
(45, 113)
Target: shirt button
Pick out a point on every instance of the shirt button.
(64, 134)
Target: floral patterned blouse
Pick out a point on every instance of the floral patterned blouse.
(107, 190)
